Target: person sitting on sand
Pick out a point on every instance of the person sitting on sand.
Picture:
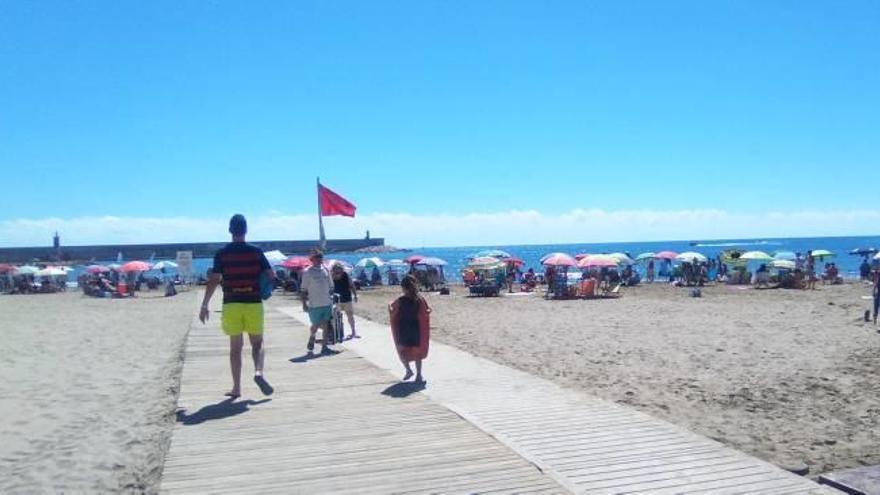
(530, 280)
(411, 335)
(237, 267)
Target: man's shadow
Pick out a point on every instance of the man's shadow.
(223, 409)
(401, 390)
(310, 356)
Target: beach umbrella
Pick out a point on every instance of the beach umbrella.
(5, 268)
(822, 253)
(370, 263)
(164, 264)
(784, 255)
(877, 256)
(114, 266)
(863, 251)
(51, 271)
(784, 264)
(135, 266)
(514, 261)
(485, 263)
(691, 257)
(26, 270)
(623, 258)
(581, 256)
(558, 259)
(275, 257)
(756, 256)
(666, 255)
(598, 261)
(97, 269)
(550, 255)
(296, 262)
(494, 253)
(646, 256)
(412, 259)
(431, 262)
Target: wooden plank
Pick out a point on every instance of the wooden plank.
(586, 444)
(328, 428)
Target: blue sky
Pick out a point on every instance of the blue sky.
(188, 111)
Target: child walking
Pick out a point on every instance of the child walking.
(410, 326)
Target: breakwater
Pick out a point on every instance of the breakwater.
(145, 251)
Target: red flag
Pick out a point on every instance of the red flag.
(333, 204)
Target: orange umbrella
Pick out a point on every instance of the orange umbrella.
(295, 262)
(135, 266)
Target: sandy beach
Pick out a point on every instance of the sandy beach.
(788, 376)
(88, 391)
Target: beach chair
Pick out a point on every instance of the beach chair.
(612, 292)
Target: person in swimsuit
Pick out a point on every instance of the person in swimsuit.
(409, 329)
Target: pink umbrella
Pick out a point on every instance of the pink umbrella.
(413, 259)
(98, 269)
(4, 268)
(598, 261)
(559, 259)
(135, 266)
(666, 255)
(296, 262)
(580, 256)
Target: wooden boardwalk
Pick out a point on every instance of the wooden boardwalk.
(588, 445)
(335, 424)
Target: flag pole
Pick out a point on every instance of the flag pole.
(322, 242)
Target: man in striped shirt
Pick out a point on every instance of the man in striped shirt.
(238, 266)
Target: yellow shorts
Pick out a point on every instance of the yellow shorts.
(241, 318)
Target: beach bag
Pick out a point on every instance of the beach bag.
(266, 286)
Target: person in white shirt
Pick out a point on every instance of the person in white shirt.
(315, 290)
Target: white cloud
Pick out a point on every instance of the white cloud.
(498, 228)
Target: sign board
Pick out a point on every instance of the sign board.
(185, 265)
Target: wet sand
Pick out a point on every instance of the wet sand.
(89, 390)
(787, 376)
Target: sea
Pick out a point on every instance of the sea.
(457, 257)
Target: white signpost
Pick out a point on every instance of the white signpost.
(185, 265)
